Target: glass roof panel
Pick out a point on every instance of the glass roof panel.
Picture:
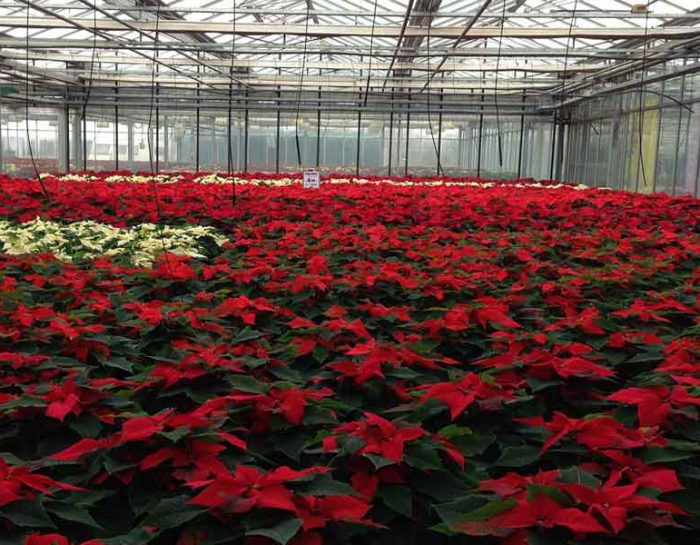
(408, 46)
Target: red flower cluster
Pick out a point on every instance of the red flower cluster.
(371, 364)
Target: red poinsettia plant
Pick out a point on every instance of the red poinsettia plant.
(359, 364)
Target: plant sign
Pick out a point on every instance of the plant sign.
(312, 179)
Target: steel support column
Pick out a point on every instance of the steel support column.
(130, 144)
(560, 150)
(438, 167)
(116, 127)
(359, 132)
(520, 147)
(408, 132)
(2, 143)
(277, 138)
(166, 143)
(391, 140)
(64, 140)
(318, 132)
(481, 136)
(245, 137)
(554, 147)
(196, 134)
(157, 138)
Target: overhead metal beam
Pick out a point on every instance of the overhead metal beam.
(294, 81)
(155, 8)
(102, 106)
(413, 43)
(387, 14)
(631, 86)
(154, 37)
(281, 49)
(468, 27)
(473, 66)
(93, 30)
(404, 25)
(39, 73)
(308, 97)
(651, 57)
(335, 31)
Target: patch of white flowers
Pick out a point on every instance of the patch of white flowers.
(138, 179)
(140, 244)
(222, 179)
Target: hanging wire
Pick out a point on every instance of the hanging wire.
(564, 72)
(230, 103)
(154, 182)
(153, 91)
(641, 104)
(499, 138)
(371, 47)
(44, 189)
(88, 92)
(638, 88)
(301, 84)
(430, 121)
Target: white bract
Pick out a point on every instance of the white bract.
(140, 244)
(223, 179)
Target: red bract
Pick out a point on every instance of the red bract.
(459, 395)
(248, 487)
(55, 539)
(614, 504)
(317, 512)
(243, 307)
(543, 512)
(18, 482)
(81, 448)
(513, 483)
(46, 539)
(598, 432)
(380, 436)
(655, 403)
(290, 403)
(644, 475)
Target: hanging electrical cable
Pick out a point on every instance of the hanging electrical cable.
(371, 52)
(499, 138)
(230, 103)
(154, 182)
(154, 68)
(44, 189)
(88, 92)
(638, 88)
(301, 83)
(430, 121)
(641, 166)
(562, 90)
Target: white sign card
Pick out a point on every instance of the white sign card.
(312, 179)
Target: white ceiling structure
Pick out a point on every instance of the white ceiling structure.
(533, 53)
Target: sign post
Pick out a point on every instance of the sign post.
(312, 179)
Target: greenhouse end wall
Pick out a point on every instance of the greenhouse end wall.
(609, 141)
(354, 142)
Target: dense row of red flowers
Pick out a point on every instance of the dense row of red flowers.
(360, 364)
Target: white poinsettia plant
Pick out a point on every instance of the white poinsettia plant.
(224, 179)
(140, 244)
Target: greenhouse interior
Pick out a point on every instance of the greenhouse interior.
(600, 92)
(349, 272)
